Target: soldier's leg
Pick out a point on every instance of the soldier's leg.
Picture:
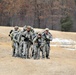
(35, 51)
(20, 49)
(28, 48)
(32, 50)
(43, 52)
(24, 49)
(47, 51)
(16, 50)
(13, 51)
(13, 48)
(27, 51)
(38, 53)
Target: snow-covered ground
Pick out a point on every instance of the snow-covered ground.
(64, 43)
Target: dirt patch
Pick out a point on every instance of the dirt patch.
(61, 62)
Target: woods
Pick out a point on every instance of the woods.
(37, 13)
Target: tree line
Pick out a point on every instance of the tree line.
(37, 13)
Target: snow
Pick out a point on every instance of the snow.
(64, 43)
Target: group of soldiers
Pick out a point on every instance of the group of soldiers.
(27, 43)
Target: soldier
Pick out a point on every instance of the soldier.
(27, 41)
(22, 42)
(34, 36)
(37, 45)
(47, 37)
(15, 44)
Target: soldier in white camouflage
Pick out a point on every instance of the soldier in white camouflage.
(22, 42)
(15, 40)
(37, 45)
(27, 41)
(47, 37)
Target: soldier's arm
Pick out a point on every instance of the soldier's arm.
(42, 42)
(34, 40)
(14, 38)
(19, 37)
(51, 37)
(10, 32)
